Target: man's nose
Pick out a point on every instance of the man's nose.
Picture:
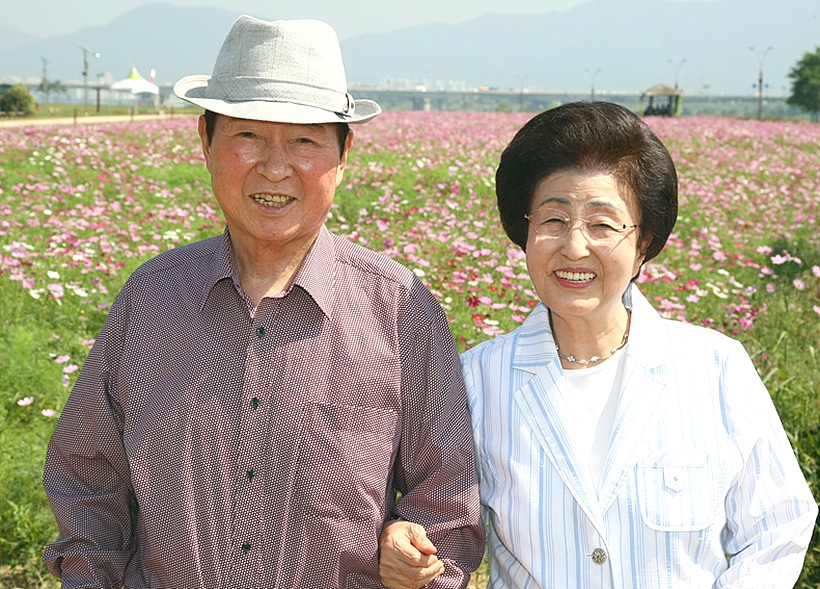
(274, 164)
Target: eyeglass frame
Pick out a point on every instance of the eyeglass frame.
(571, 224)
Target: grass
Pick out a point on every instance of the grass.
(81, 207)
(60, 110)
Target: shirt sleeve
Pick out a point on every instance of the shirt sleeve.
(770, 509)
(435, 468)
(86, 476)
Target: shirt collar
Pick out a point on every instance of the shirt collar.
(315, 276)
(223, 265)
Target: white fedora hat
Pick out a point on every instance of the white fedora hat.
(284, 71)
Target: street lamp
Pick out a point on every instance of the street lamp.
(677, 65)
(44, 84)
(86, 53)
(592, 83)
(523, 79)
(761, 55)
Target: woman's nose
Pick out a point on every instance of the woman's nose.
(575, 242)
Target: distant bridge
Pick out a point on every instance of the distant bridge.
(483, 100)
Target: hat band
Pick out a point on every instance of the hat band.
(245, 89)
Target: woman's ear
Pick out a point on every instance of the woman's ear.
(640, 254)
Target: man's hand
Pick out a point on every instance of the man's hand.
(408, 558)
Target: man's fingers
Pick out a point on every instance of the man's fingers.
(406, 542)
(419, 539)
(409, 578)
(408, 559)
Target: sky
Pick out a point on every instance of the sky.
(47, 18)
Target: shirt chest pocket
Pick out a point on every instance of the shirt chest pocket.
(345, 456)
(677, 497)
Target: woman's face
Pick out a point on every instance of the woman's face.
(582, 245)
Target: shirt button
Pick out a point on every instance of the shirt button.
(260, 331)
(250, 474)
(246, 547)
(598, 556)
(255, 402)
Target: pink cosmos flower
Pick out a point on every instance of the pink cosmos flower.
(25, 401)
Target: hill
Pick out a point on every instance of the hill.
(619, 45)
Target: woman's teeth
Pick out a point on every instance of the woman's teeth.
(575, 276)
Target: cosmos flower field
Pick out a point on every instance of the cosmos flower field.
(82, 206)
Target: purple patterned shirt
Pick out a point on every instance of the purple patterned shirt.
(208, 444)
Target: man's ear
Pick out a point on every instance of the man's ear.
(340, 171)
(204, 141)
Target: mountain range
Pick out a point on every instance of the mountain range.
(704, 46)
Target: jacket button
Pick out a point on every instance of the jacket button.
(599, 556)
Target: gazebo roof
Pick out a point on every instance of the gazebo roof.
(661, 90)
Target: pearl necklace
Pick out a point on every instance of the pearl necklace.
(593, 359)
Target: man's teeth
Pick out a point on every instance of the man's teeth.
(575, 276)
(271, 200)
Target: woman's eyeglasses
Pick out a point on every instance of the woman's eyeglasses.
(597, 228)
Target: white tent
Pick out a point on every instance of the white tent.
(136, 84)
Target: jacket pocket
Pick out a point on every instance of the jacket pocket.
(677, 497)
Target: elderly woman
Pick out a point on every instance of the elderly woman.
(615, 448)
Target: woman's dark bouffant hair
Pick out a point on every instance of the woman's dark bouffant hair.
(589, 137)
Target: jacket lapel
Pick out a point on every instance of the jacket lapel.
(642, 388)
(543, 401)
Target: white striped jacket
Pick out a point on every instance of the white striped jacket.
(698, 468)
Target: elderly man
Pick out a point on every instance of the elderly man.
(259, 405)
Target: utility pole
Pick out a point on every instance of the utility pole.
(761, 55)
(592, 76)
(677, 65)
(44, 83)
(521, 107)
(86, 53)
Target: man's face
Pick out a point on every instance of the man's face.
(274, 181)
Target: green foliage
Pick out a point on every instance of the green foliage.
(18, 99)
(32, 334)
(805, 78)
